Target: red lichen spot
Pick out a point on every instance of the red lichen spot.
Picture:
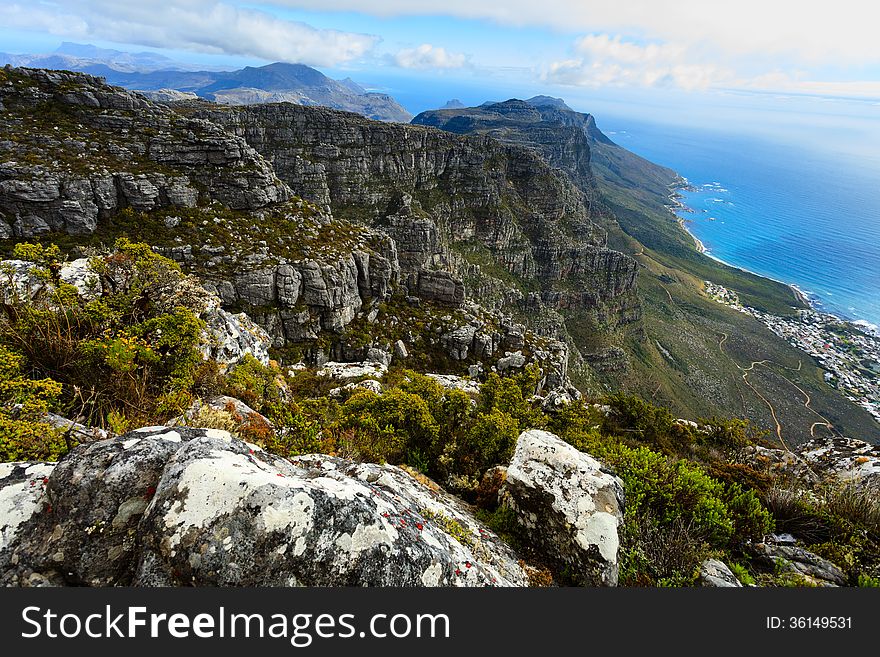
(250, 451)
(150, 492)
(458, 572)
(279, 474)
(385, 515)
(467, 564)
(49, 508)
(402, 522)
(419, 526)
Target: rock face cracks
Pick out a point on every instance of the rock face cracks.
(170, 506)
(567, 505)
(185, 506)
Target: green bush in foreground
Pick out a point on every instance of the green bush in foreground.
(125, 357)
(23, 402)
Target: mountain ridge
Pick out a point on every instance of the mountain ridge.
(275, 82)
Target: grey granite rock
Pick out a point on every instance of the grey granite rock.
(567, 506)
(185, 506)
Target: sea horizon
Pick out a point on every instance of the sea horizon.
(788, 212)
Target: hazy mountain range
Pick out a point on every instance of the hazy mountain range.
(278, 82)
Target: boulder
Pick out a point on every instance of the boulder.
(511, 361)
(347, 371)
(453, 382)
(80, 433)
(847, 460)
(79, 274)
(241, 412)
(796, 560)
(567, 506)
(22, 496)
(185, 506)
(18, 280)
(233, 336)
(714, 573)
(367, 384)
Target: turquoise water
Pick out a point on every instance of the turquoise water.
(791, 211)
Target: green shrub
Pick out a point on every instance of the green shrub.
(670, 490)
(259, 386)
(866, 581)
(640, 420)
(660, 553)
(401, 418)
(298, 436)
(733, 433)
(45, 256)
(132, 352)
(490, 440)
(742, 574)
(506, 394)
(23, 402)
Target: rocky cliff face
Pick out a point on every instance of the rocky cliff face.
(86, 163)
(561, 136)
(515, 229)
(76, 151)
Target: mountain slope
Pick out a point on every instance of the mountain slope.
(693, 352)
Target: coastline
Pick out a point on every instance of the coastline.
(678, 206)
(802, 296)
(683, 185)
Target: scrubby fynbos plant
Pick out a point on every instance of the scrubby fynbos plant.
(128, 354)
(125, 356)
(23, 403)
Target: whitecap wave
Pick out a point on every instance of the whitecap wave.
(868, 327)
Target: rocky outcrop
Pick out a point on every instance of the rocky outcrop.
(800, 562)
(847, 460)
(227, 338)
(716, 574)
(567, 506)
(76, 152)
(22, 496)
(186, 506)
(836, 459)
(442, 189)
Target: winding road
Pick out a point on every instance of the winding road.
(807, 400)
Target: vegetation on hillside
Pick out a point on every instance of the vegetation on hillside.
(121, 360)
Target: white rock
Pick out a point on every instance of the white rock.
(79, 274)
(345, 371)
(567, 506)
(452, 382)
(714, 573)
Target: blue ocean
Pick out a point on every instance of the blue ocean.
(795, 210)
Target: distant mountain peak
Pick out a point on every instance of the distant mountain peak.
(352, 86)
(548, 101)
(455, 103)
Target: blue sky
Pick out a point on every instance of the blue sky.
(681, 60)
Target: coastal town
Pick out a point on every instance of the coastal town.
(849, 354)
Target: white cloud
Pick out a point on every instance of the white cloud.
(428, 56)
(197, 25)
(602, 60)
(808, 30)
